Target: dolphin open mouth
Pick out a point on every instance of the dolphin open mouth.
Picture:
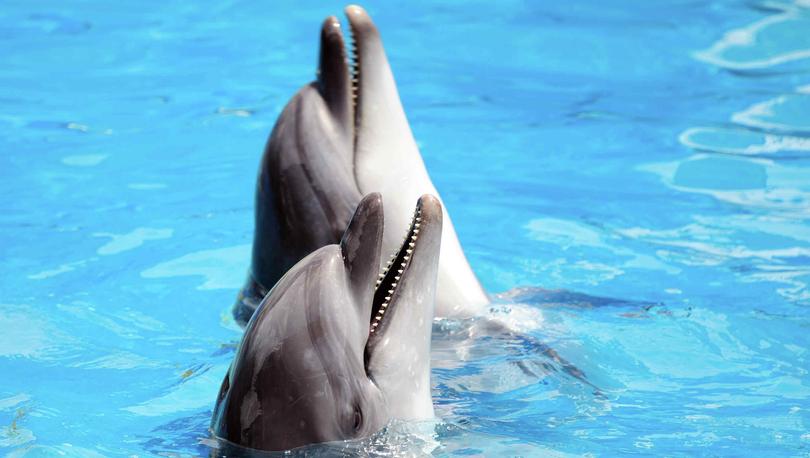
(340, 71)
(390, 278)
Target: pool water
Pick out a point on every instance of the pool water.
(633, 178)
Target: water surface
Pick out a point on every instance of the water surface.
(647, 164)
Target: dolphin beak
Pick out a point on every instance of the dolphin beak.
(342, 80)
(334, 75)
(372, 73)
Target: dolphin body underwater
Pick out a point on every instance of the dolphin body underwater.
(335, 351)
(341, 137)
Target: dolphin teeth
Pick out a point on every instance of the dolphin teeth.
(399, 262)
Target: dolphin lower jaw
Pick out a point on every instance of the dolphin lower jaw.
(391, 276)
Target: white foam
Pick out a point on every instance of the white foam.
(518, 317)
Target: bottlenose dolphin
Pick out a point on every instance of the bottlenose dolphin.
(340, 137)
(335, 351)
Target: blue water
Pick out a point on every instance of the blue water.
(646, 163)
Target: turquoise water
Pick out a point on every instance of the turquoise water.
(650, 160)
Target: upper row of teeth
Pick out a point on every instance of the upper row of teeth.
(354, 62)
(414, 234)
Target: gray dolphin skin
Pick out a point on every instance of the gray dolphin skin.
(336, 349)
(340, 137)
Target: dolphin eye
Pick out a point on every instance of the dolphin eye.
(358, 419)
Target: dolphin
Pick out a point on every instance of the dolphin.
(335, 350)
(341, 137)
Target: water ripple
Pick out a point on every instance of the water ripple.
(761, 45)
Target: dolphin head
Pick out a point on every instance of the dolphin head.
(337, 349)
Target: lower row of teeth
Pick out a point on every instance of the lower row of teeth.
(414, 234)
